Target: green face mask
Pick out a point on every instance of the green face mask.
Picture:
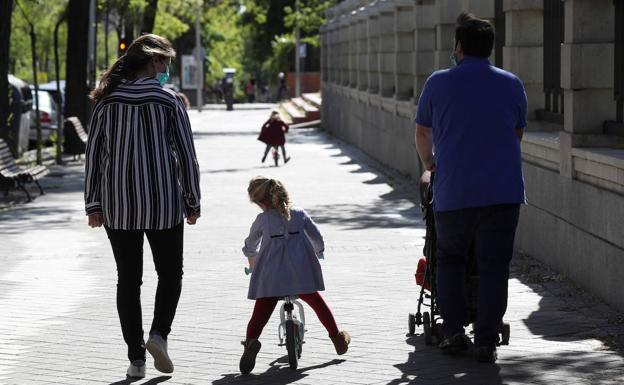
(163, 76)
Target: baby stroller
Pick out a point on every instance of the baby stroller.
(426, 278)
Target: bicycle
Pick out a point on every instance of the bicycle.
(291, 329)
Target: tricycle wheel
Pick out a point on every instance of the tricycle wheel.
(411, 323)
(505, 333)
(427, 328)
(292, 336)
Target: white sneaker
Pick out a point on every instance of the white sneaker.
(136, 369)
(157, 347)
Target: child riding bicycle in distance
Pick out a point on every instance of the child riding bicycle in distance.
(285, 264)
(272, 134)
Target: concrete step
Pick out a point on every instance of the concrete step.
(284, 115)
(313, 99)
(296, 115)
(311, 112)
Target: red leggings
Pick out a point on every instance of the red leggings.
(264, 308)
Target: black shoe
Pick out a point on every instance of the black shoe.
(248, 360)
(456, 344)
(485, 354)
(286, 159)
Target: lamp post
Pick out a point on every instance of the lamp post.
(199, 60)
(297, 63)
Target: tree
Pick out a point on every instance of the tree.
(269, 36)
(6, 8)
(76, 100)
(149, 16)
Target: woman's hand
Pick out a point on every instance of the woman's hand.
(192, 218)
(96, 220)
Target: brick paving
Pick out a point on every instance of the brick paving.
(58, 323)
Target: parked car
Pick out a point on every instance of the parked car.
(51, 88)
(20, 103)
(48, 110)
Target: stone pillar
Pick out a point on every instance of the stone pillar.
(387, 49)
(404, 43)
(362, 43)
(445, 16)
(324, 53)
(587, 57)
(372, 36)
(353, 48)
(523, 53)
(424, 44)
(343, 36)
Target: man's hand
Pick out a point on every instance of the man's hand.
(96, 220)
(192, 218)
(251, 261)
(430, 165)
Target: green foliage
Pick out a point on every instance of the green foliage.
(254, 36)
(268, 26)
(310, 17)
(223, 39)
(44, 15)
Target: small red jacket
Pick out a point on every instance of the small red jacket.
(272, 132)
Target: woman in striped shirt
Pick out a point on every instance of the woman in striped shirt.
(142, 177)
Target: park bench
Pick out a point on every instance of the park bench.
(14, 176)
(75, 137)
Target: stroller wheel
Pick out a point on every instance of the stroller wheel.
(505, 333)
(411, 323)
(427, 328)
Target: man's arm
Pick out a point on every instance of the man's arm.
(520, 133)
(424, 146)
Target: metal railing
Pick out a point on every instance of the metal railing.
(553, 38)
(499, 27)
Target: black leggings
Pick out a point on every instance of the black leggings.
(167, 250)
(268, 148)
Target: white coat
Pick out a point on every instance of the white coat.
(286, 262)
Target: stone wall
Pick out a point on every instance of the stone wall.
(377, 55)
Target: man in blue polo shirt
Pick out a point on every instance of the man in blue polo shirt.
(469, 125)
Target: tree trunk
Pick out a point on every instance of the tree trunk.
(149, 16)
(76, 91)
(6, 8)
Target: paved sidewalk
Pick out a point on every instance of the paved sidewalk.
(58, 323)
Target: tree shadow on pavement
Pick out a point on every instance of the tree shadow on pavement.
(200, 134)
(398, 208)
(568, 314)
(230, 170)
(427, 365)
(278, 374)
(153, 381)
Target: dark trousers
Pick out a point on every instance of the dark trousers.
(489, 231)
(166, 248)
(268, 148)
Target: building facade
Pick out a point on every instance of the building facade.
(377, 55)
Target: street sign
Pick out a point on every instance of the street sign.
(202, 53)
(190, 72)
(303, 51)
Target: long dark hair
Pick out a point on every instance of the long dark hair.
(139, 54)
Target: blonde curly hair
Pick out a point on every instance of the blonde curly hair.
(271, 193)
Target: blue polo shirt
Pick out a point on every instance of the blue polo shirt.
(474, 110)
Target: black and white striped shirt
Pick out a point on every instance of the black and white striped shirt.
(141, 168)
